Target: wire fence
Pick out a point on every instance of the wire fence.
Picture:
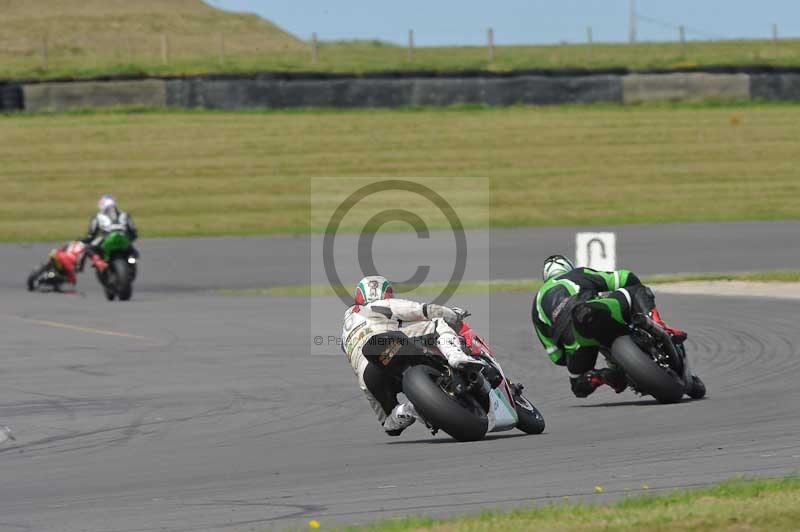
(221, 51)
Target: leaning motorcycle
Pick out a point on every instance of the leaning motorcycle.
(468, 402)
(653, 363)
(46, 278)
(117, 279)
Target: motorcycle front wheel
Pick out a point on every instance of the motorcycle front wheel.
(530, 420)
(459, 416)
(33, 278)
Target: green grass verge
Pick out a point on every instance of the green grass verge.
(735, 505)
(508, 286)
(195, 49)
(215, 173)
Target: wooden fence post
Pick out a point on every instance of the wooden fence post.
(775, 36)
(164, 49)
(590, 41)
(632, 22)
(682, 32)
(410, 45)
(314, 48)
(490, 43)
(129, 48)
(45, 54)
(221, 43)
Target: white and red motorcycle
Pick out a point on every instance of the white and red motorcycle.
(469, 402)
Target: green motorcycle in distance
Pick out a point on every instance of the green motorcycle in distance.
(117, 279)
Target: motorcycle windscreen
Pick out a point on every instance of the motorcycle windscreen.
(502, 414)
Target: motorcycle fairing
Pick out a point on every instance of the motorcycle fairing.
(502, 414)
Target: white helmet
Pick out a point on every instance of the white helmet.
(555, 265)
(373, 288)
(106, 203)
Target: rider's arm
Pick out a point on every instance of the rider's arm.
(555, 353)
(133, 234)
(405, 310)
(93, 227)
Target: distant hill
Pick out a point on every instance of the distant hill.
(130, 31)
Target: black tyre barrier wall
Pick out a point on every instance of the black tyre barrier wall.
(247, 93)
(358, 92)
(284, 91)
(775, 86)
(685, 86)
(63, 96)
(11, 97)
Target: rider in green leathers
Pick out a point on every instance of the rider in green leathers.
(578, 311)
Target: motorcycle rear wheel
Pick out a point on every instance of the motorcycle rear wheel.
(649, 377)
(461, 417)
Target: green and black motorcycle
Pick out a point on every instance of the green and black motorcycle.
(119, 254)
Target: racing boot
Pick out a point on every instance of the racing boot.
(615, 378)
(678, 336)
(450, 346)
(402, 417)
(584, 385)
(99, 263)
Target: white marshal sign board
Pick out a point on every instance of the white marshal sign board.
(596, 250)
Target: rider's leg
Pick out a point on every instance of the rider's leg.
(580, 364)
(644, 302)
(603, 320)
(99, 263)
(66, 264)
(381, 391)
(449, 344)
(447, 340)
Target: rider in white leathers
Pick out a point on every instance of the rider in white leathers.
(376, 316)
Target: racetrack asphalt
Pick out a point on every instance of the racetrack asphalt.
(170, 265)
(188, 411)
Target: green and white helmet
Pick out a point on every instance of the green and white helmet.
(555, 265)
(373, 288)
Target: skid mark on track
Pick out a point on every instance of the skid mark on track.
(88, 330)
(82, 368)
(14, 526)
(295, 510)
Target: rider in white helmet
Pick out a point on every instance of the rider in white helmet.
(578, 311)
(377, 321)
(109, 218)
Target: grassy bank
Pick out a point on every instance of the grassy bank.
(513, 285)
(85, 38)
(82, 38)
(214, 173)
(136, 49)
(736, 505)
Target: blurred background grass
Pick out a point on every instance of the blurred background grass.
(214, 173)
